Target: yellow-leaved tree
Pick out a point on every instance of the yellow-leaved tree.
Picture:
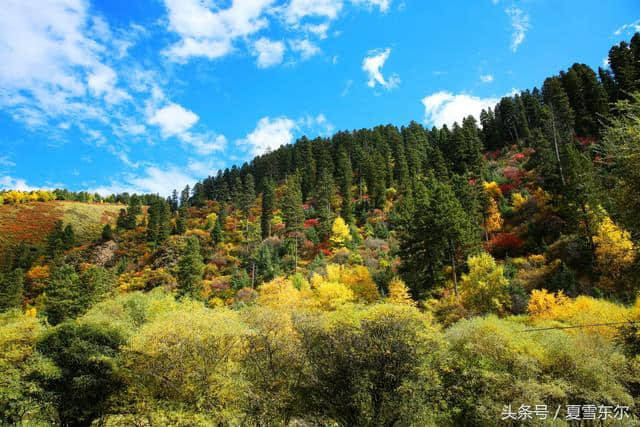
(332, 295)
(399, 292)
(357, 278)
(543, 303)
(494, 219)
(492, 189)
(484, 288)
(188, 361)
(340, 234)
(615, 252)
(280, 293)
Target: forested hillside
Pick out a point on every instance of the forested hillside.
(386, 276)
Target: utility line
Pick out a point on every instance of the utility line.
(580, 326)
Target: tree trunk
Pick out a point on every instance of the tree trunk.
(555, 143)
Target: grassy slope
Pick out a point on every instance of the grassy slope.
(32, 222)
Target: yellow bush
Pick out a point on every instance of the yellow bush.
(216, 302)
(582, 310)
(518, 200)
(542, 197)
(14, 196)
(202, 235)
(542, 303)
(483, 289)
(357, 278)
(279, 292)
(494, 219)
(614, 252)
(537, 259)
(340, 233)
(492, 189)
(399, 293)
(332, 295)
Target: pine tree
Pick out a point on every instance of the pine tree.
(181, 220)
(400, 166)
(438, 233)
(623, 65)
(158, 224)
(64, 296)
(54, 239)
(11, 289)
(184, 196)
(197, 199)
(237, 191)
(216, 232)
(121, 222)
(154, 221)
(268, 203)
(324, 195)
(247, 200)
(293, 213)
(292, 210)
(164, 229)
(174, 201)
(107, 233)
(239, 279)
(345, 177)
(190, 270)
(68, 237)
(133, 210)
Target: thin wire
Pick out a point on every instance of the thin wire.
(580, 326)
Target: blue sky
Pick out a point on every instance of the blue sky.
(147, 96)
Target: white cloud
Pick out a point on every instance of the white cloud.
(4, 161)
(201, 168)
(347, 88)
(383, 5)
(373, 64)
(188, 47)
(305, 48)
(486, 78)
(628, 28)
(269, 134)
(605, 62)
(53, 62)
(520, 24)
(269, 52)
(319, 30)
(132, 128)
(446, 108)
(300, 9)
(205, 143)
(9, 183)
(42, 43)
(102, 82)
(58, 70)
(173, 119)
(208, 30)
(153, 180)
(161, 181)
(318, 125)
